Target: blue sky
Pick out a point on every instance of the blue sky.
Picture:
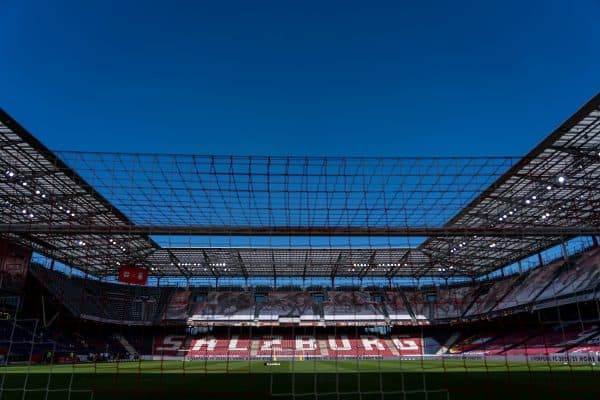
(297, 78)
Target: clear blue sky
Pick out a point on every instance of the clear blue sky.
(301, 78)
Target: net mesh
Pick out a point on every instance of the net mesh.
(521, 334)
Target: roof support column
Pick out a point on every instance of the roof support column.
(540, 260)
(595, 241)
(565, 252)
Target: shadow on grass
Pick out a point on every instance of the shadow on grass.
(324, 386)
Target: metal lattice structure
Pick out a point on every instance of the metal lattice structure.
(465, 216)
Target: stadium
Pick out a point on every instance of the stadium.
(182, 276)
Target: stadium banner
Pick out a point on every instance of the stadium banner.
(284, 346)
(558, 358)
(288, 307)
(133, 275)
(224, 306)
(568, 358)
(177, 308)
(401, 347)
(396, 307)
(351, 306)
(14, 263)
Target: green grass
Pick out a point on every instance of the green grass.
(343, 379)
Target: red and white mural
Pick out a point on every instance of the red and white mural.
(330, 346)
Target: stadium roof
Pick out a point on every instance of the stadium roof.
(469, 216)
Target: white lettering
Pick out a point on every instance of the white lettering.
(370, 341)
(233, 344)
(269, 344)
(209, 341)
(171, 343)
(345, 343)
(405, 344)
(305, 343)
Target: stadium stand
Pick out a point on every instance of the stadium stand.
(555, 339)
(288, 306)
(108, 302)
(144, 305)
(225, 306)
(580, 274)
(453, 303)
(351, 306)
(396, 306)
(590, 344)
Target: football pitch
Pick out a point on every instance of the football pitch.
(308, 379)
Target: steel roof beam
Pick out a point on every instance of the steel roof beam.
(447, 231)
(242, 265)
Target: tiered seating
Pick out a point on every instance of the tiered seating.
(209, 347)
(358, 347)
(590, 344)
(496, 292)
(416, 300)
(25, 340)
(432, 344)
(531, 287)
(116, 303)
(490, 343)
(178, 306)
(80, 296)
(471, 343)
(295, 304)
(225, 306)
(91, 299)
(452, 303)
(351, 306)
(501, 343)
(287, 345)
(396, 307)
(583, 274)
(554, 340)
(142, 344)
(283, 346)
